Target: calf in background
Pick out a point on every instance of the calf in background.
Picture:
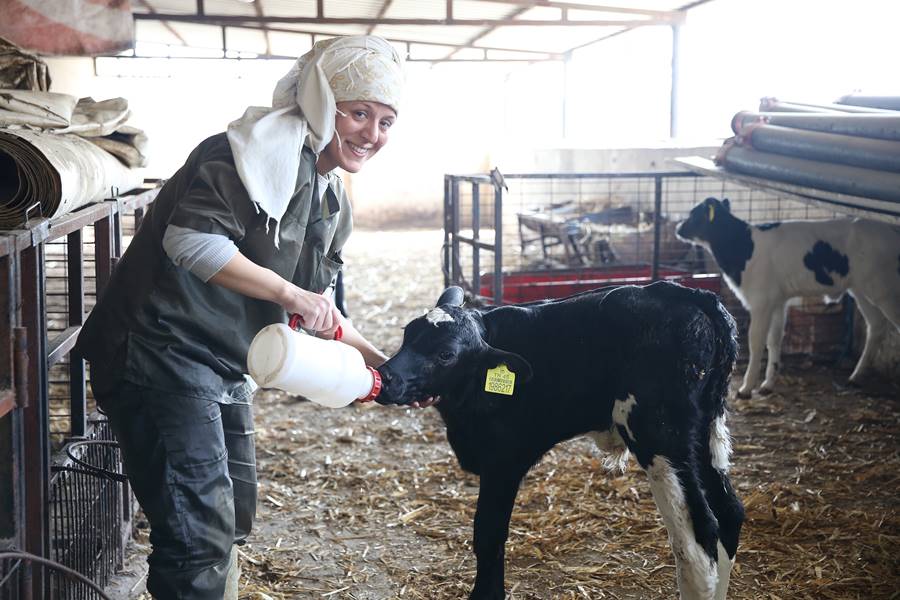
(643, 370)
(767, 265)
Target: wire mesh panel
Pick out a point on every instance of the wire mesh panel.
(10, 571)
(63, 258)
(87, 505)
(553, 234)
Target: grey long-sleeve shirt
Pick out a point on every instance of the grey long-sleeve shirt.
(204, 254)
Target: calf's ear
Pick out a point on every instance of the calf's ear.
(452, 296)
(726, 204)
(514, 362)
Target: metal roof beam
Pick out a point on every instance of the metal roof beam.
(209, 19)
(168, 27)
(676, 15)
(553, 55)
(259, 13)
(384, 7)
(544, 55)
(485, 60)
(469, 43)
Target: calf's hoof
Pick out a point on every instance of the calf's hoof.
(765, 390)
(744, 394)
(855, 382)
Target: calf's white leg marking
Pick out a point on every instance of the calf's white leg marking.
(773, 344)
(724, 564)
(620, 413)
(615, 453)
(876, 327)
(696, 572)
(720, 444)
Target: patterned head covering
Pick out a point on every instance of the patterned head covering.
(266, 142)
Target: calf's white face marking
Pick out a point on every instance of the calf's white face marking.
(621, 410)
(697, 573)
(438, 315)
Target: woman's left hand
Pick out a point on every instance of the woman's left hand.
(426, 403)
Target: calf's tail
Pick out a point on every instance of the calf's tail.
(725, 329)
(715, 392)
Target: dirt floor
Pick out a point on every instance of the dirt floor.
(367, 502)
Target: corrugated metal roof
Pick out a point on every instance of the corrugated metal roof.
(426, 29)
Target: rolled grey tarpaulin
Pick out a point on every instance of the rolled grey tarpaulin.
(884, 126)
(843, 179)
(883, 102)
(863, 152)
(769, 104)
(58, 172)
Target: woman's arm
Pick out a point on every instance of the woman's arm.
(243, 276)
(352, 337)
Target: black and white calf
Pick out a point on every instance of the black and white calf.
(641, 369)
(769, 264)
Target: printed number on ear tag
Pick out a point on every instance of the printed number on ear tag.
(500, 380)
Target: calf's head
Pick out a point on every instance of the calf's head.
(703, 219)
(441, 352)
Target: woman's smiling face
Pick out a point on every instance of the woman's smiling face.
(361, 129)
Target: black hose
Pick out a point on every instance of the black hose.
(20, 555)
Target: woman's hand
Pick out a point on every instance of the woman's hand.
(426, 403)
(317, 312)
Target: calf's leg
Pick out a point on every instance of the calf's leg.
(691, 526)
(727, 508)
(760, 322)
(773, 346)
(729, 513)
(661, 431)
(496, 497)
(876, 325)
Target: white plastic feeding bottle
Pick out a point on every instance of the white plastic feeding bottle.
(327, 372)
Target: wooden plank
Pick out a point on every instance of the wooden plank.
(859, 206)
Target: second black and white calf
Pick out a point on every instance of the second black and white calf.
(767, 265)
(644, 370)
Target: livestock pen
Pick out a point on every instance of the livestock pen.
(548, 235)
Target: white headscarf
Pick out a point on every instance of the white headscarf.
(267, 142)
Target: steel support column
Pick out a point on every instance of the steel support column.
(36, 422)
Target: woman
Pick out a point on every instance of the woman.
(248, 230)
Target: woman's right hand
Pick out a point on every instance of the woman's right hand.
(317, 312)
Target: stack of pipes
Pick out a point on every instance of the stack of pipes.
(850, 147)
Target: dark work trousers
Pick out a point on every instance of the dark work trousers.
(192, 465)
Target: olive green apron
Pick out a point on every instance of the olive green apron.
(159, 326)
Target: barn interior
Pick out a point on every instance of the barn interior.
(543, 148)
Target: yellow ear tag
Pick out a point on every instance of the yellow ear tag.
(712, 212)
(500, 380)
